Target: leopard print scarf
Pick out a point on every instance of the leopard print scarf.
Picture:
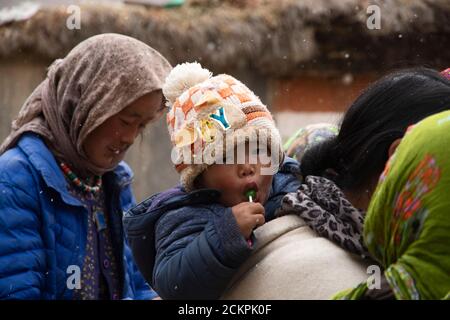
(322, 205)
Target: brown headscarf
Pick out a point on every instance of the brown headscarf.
(96, 80)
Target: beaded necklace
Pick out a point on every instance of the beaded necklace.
(80, 184)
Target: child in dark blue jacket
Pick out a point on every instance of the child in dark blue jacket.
(190, 240)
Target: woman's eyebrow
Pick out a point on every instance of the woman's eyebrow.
(133, 115)
(138, 116)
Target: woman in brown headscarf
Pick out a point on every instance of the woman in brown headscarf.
(63, 183)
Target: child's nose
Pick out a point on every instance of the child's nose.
(246, 170)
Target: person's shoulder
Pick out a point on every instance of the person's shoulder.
(289, 166)
(30, 157)
(288, 178)
(15, 167)
(165, 209)
(13, 157)
(194, 213)
(191, 212)
(177, 202)
(182, 221)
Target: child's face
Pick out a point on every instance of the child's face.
(234, 180)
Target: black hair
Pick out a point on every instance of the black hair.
(379, 116)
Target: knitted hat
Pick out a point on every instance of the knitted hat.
(211, 115)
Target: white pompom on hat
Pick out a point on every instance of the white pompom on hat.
(183, 77)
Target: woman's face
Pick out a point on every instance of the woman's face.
(106, 146)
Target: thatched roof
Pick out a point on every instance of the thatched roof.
(272, 37)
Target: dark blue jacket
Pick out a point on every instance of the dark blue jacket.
(43, 227)
(187, 245)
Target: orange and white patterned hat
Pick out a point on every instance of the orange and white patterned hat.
(206, 112)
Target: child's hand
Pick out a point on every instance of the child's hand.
(249, 215)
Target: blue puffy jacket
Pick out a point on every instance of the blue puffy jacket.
(187, 245)
(43, 227)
